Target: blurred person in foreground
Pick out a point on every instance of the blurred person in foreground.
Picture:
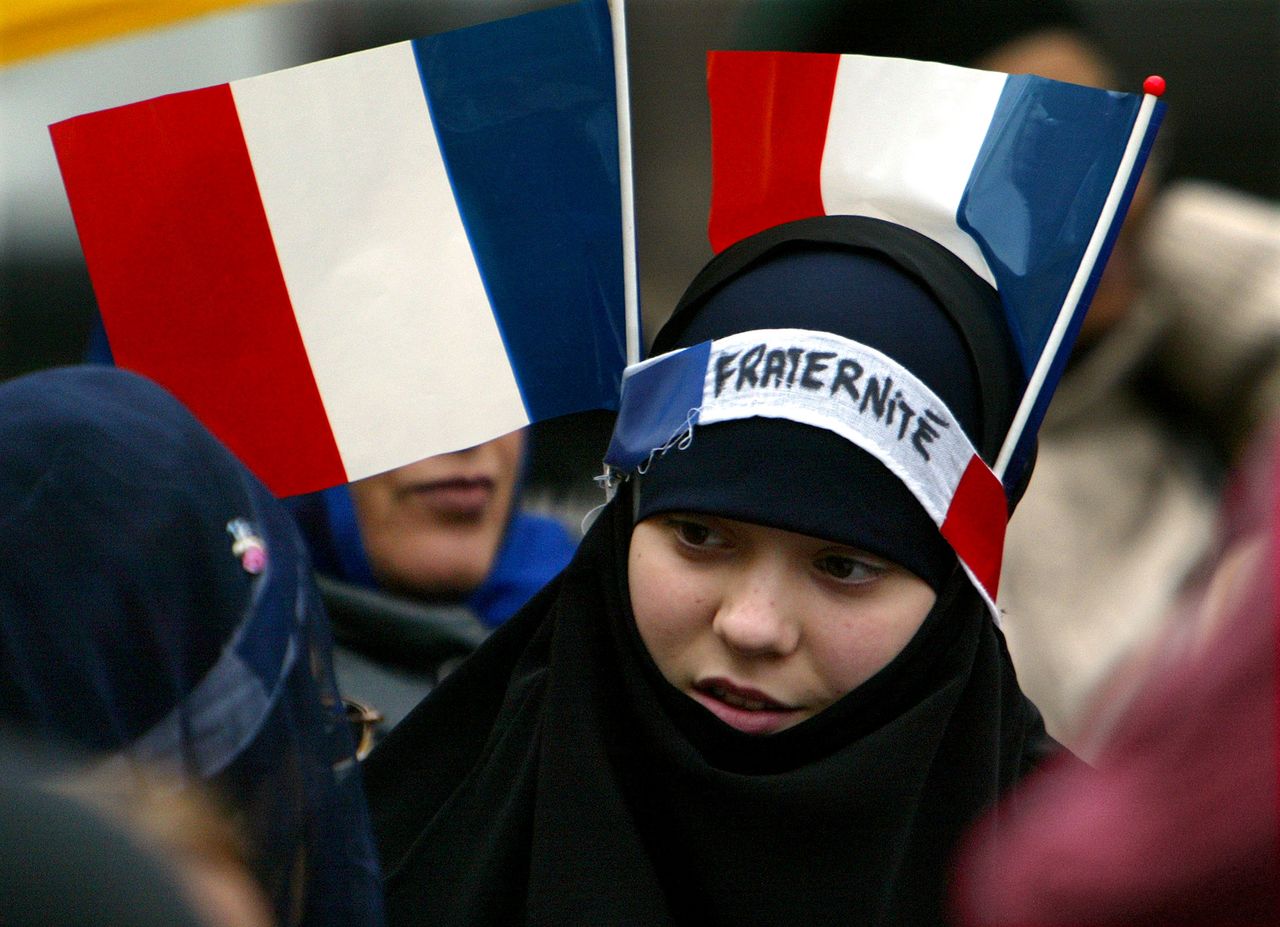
(1178, 823)
(158, 614)
(64, 864)
(1177, 364)
(135, 850)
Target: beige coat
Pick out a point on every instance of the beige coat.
(1121, 510)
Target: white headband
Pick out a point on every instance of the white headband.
(845, 387)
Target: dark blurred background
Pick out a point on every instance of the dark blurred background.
(1221, 59)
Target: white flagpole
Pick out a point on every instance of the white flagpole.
(631, 291)
(1100, 231)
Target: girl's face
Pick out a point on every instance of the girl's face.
(766, 627)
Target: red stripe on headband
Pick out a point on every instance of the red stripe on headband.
(975, 523)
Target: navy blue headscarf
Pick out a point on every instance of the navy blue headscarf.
(157, 608)
(874, 283)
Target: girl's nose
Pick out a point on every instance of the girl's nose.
(756, 619)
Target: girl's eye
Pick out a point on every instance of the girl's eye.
(848, 569)
(695, 533)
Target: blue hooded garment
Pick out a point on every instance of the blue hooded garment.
(534, 549)
(157, 610)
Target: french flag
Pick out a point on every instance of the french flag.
(1025, 179)
(354, 264)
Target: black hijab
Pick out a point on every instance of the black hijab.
(557, 778)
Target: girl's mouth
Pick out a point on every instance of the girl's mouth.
(749, 710)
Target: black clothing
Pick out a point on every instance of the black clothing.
(557, 778)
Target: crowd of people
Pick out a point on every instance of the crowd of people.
(766, 687)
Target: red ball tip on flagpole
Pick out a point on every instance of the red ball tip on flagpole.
(1154, 85)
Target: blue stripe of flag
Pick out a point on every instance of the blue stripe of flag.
(525, 113)
(1036, 190)
(1022, 453)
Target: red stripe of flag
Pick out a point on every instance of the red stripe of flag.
(976, 522)
(767, 161)
(187, 279)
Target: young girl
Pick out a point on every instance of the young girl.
(766, 690)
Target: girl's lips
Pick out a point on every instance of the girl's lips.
(460, 497)
(749, 710)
